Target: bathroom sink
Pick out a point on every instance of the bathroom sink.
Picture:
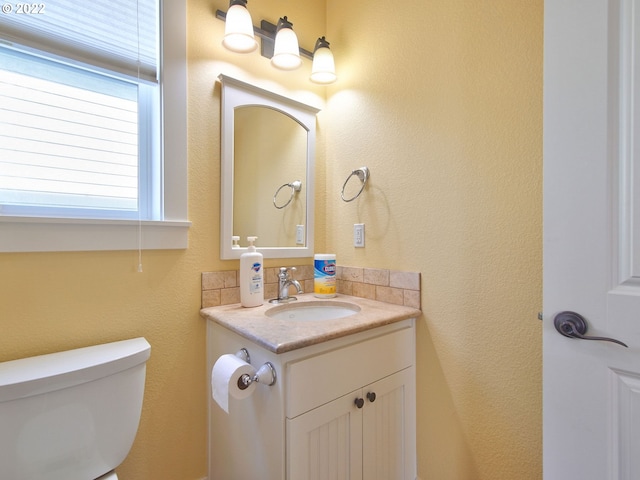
(314, 310)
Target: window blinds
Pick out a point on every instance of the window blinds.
(75, 140)
(62, 145)
(110, 34)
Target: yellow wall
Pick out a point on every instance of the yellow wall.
(450, 126)
(442, 100)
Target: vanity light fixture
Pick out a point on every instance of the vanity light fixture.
(279, 43)
(323, 70)
(238, 28)
(286, 51)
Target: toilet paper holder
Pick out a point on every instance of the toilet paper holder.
(266, 374)
(243, 354)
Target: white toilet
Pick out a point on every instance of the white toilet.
(71, 415)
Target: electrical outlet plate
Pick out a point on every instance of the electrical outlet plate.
(358, 235)
(299, 234)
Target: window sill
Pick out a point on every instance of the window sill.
(25, 234)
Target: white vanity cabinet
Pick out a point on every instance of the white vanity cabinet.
(351, 411)
(343, 408)
(343, 440)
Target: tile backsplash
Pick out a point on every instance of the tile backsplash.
(390, 286)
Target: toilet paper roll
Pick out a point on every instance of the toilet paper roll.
(224, 380)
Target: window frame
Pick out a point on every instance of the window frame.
(46, 234)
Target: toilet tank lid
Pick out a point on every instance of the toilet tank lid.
(45, 373)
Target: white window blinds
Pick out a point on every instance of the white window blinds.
(111, 34)
(79, 110)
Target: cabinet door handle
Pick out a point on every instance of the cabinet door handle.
(359, 402)
(371, 396)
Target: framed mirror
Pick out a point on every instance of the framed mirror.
(267, 172)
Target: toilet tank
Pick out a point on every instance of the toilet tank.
(73, 414)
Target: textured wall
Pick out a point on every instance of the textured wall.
(442, 100)
(450, 126)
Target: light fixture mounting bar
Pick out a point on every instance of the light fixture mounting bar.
(267, 33)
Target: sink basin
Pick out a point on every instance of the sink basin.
(318, 310)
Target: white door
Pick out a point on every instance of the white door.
(592, 238)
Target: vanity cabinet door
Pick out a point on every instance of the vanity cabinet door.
(326, 442)
(387, 436)
(339, 441)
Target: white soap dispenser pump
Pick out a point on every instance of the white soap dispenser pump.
(251, 281)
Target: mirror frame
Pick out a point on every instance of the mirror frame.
(236, 93)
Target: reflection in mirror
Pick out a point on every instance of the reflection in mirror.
(270, 153)
(267, 167)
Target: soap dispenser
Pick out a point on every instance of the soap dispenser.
(251, 282)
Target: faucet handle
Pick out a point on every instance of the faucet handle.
(285, 272)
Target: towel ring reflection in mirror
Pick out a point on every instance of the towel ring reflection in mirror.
(363, 174)
(295, 186)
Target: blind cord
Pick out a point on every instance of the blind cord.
(139, 214)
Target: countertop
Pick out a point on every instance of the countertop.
(281, 336)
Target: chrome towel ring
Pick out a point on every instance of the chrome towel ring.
(363, 174)
(295, 186)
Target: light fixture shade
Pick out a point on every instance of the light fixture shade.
(286, 52)
(323, 70)
(238, 28)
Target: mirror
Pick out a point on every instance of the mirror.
(267, 172)
(270, 151)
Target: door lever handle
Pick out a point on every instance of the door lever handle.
(573, 325)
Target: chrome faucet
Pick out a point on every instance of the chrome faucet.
(285, 280)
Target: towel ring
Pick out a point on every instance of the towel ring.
(295, 186)
(363, 174)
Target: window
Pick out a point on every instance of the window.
(84, 163)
